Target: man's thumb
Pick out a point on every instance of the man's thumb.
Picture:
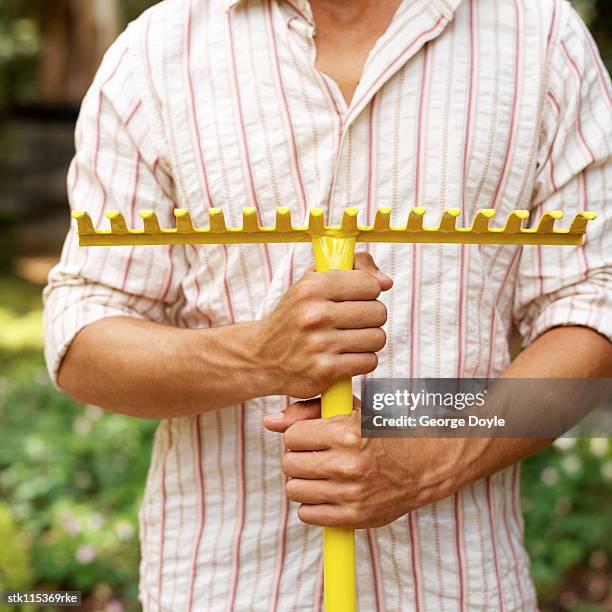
(298, 411)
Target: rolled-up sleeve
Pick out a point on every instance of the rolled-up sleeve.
(559, 286)
(119, 165)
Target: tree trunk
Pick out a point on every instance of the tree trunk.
(76, 34)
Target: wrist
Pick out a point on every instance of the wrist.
(453, 463)
(256, 369)
(467, 462)
(232, 354)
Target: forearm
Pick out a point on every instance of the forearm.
(564, 352)
(325, 328)
(147, 370)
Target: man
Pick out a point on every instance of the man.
(479, 104)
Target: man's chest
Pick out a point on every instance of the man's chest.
(452, 125)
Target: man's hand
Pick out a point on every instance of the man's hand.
(342, 480)
(328, 326)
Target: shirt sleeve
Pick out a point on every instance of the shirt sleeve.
(571, 285)
(119, 165)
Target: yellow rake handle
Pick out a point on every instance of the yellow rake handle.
(338, 544)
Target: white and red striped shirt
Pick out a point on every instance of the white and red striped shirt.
(474, 104)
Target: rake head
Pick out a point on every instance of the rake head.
(283, 230)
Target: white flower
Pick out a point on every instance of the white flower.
(82, 426)
(93, 413)
(599, 447)
(70, 525)
(97, 521)
(124, 530)
(572, 464)
(85, 554)
(565, 443)
(114, 606)
(549, 476)
(34, 447)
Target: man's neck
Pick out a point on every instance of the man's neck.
(353, 13)
(346, 31)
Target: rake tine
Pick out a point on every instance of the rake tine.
(382, 220)
(316, 222)
(250, 221)
(448, 222)
(514, 221)
(547, 221)
(415, 219)
(216, 221)
(580, 221)
(480, 225)
(84, 223)
(283, 219)
(349, 220)
(150, 222)
(117, 222)
(184, 225)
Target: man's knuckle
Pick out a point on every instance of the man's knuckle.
(327, 368)
(306, 288)
(381, 312)
(286, 462)
(337, 429)
(352, 516)
(317, 343)
(369, 284)
(350, 439)
(351, 467)
(382, 338)
(375, 311)
(377, 339)
(354, 493)
(370, 362)
(291, 489)
(314, 316)
(305, 515)
(362, 256)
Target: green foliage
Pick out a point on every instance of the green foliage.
(74, 479)
(71, 475)
(20, 44)
(567, 499)
(15, 570)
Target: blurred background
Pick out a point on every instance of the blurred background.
(71, 476)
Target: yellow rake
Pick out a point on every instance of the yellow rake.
(334, 248)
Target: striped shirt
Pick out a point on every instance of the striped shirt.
(473, 104)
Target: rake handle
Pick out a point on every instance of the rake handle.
(338, 544)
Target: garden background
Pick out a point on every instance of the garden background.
(71, 476)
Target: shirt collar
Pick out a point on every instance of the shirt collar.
(445, 7)
(299, 4)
